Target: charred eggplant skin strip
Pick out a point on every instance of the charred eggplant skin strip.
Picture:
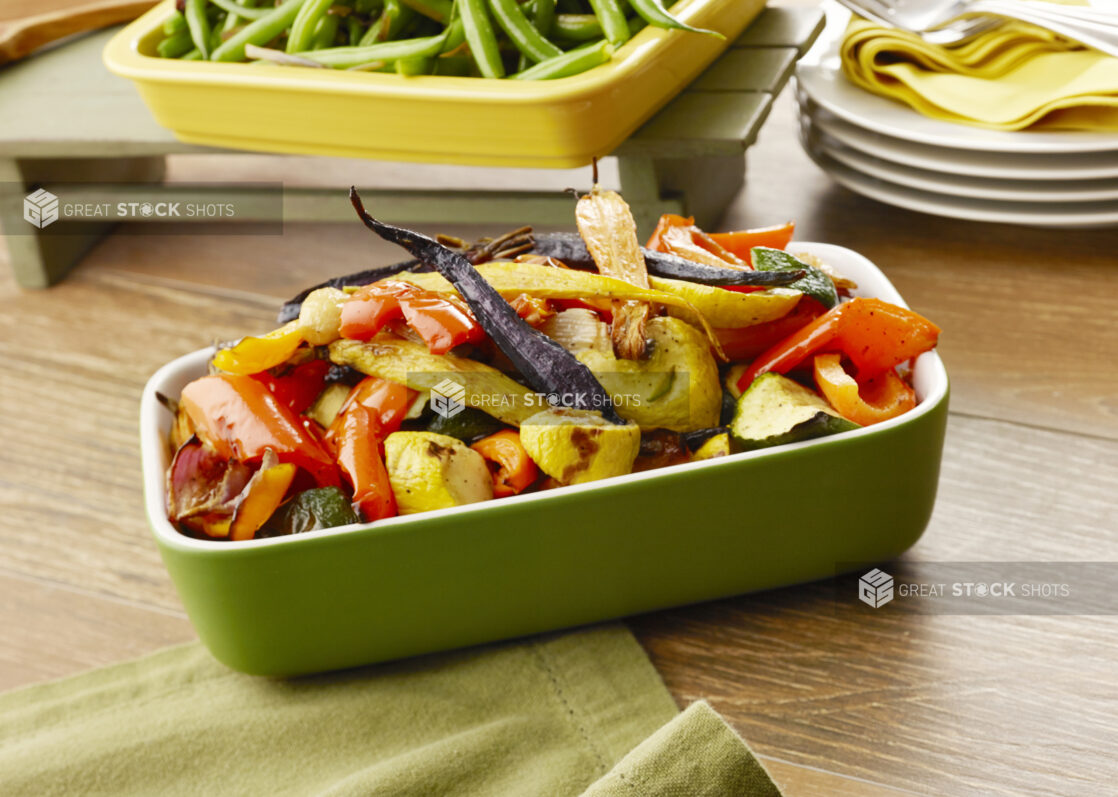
(547, 366)
(569, 248)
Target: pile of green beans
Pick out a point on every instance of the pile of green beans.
(519, 39)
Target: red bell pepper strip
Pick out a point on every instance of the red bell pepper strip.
(366, 312)
(875, 335)
(510, 466)
(240, 418)
(359, 439)
(298, 387)
(742, 242)
(746, 343)
(442, 321)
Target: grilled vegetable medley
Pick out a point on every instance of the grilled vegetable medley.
(522, 39)
(525, 363)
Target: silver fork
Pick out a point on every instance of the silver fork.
(949, 22)
(956, 32)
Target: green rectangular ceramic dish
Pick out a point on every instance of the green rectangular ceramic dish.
(500, 569)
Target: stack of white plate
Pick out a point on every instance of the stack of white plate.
(885, 150)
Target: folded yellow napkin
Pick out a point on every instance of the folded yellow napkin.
(582, 713)
(1013, 77)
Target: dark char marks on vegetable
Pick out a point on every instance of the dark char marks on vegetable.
(546, 366)
(570, 249)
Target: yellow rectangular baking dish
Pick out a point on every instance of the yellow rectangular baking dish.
(560, 123)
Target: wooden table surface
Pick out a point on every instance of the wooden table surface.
(842, 703)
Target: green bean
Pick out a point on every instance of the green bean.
(176, 23)
(438, 10)
(259, 32)
(346, 57)
(455, 35)
(614, 24)
(586, 27)
(193, 55)
(354, 31)
(523, 61)
(543, 16)
(233, 7)
(654, 14)
(175, 46)
(232, 20)
(419, 65)
(327, 32)
(569, 63)
(577, 27)
(301, 35)
(482, 39)
(391, 21)
(198, 24)
(454, 65)
(520, 31)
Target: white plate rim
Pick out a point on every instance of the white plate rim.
(937, 204)
(1022, 191)
(1031, 167)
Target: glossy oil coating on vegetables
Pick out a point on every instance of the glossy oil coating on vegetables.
(462, 38)
(522, 364)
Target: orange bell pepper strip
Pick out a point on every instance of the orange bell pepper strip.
(741, 243)
(874, 334)
(509, 464)
(387, 401)
(746, 343)
(263, 495)
(666, 222)
(240, 418)
(359, 439)
(737, 245)
(442, 321)
(879, 399)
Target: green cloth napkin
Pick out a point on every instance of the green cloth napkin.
(579, 713)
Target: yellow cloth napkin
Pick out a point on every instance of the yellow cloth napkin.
(1013, 77)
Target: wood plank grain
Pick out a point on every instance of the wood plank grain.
(74, 361)
(795, 780)
(51, 632)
